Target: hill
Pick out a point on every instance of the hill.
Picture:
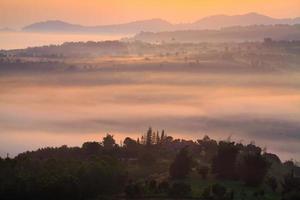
(158, 25)
(221, 21)
(132, 27)
(231, 34)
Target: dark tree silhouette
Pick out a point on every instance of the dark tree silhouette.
(224, 162)
(149, 137)
(208, 148)
(130, 143)
(100, 170)
(253, 168)
(109, 141)
(203, 171)
(91, 147)
(162, 136)
(157, 138)
(181, 166)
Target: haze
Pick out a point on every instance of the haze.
(16, 13)
(235, 75)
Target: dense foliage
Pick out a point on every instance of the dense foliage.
(155, 166)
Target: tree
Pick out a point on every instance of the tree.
(208, 148)
(130, 143)
(91, 147)
(157, 138)
(181, 166)
(109, 141)
(224, 162)
(253, 168)
(131, 147)
(162, 136)
(149, 137)
(203, 171)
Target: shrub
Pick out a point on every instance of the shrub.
(180, 189)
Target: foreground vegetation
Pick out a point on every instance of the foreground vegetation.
(154, 166)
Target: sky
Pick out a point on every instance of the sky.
(18, 13)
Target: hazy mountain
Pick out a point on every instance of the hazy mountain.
(231, 34)
(158, 25)
(54, 26)
(155, 25)
(221, 21)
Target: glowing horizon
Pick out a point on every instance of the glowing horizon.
(16, 14)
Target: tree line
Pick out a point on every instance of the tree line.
(155, 165)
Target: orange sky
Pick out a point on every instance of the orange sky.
(17, 13)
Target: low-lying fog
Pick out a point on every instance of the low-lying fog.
(38, 110)
(19, 40)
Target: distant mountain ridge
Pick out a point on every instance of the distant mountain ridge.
(155, 25)
(159, 25)
(223, 21)
(230, 34)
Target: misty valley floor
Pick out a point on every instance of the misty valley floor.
(126, 95)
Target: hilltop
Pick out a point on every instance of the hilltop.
(158, 25)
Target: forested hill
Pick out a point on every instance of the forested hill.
(231, 34)
(155, 165)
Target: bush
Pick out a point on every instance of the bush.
(180, 189)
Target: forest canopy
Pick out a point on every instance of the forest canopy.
(155, 165)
